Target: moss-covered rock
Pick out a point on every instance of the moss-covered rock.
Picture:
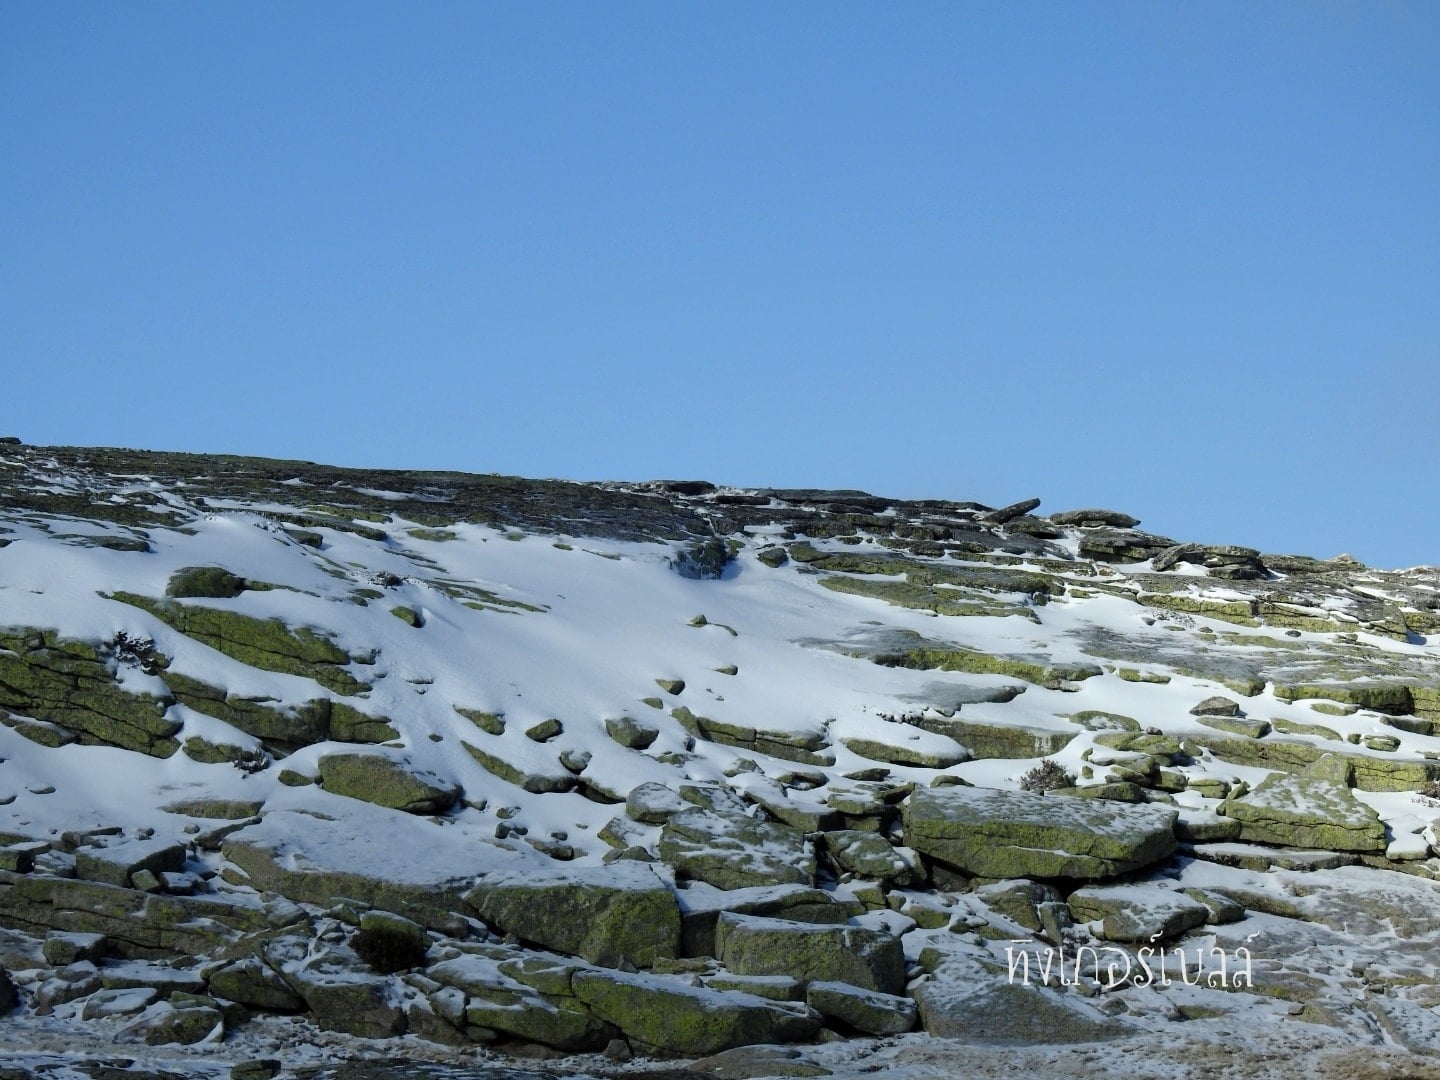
(668, 1016)
(606, 915)
(984, 739)
(631, 733)
(72, 684)
(251, 982)
(732, 850)
(754, 945)
(1137, 913)
(204, 581)
(349, 724)
(264, 643)
(865, 1011)
(896, 752)
(1308, 812)
(1371, 773)
(491, 723)
(387, 781)
(284, 728)
(529, 780)
(1011, 834)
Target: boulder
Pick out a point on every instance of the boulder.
(732, 850)
(493, 990)
(1137, 913)
(251, 982)
(351, 1002)
(1307, 812)
(118, 863)
(1217, 706)
(865, 1011)
(1092, 518)
(204, 581)
(163, 1023)
(605, 914)
(664, 1015)
(631, 733)
(964, 1000)
(389, 943)
(387, 781)
(1011, 834)
(754, 945)
(1018, 900)
(870, 855)
(653, 804)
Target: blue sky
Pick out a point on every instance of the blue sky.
(1181, 260)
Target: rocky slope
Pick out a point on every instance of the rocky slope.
(669, 770)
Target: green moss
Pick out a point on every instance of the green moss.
(264, 643)
(432, 535)
(532, 782)
(489, 722)
(1234, 611)
(1098, 720)
(68, 683)
(205, 581)
(407, 615)
(285, 728)
(663, 1015)
(1294, 727)
(925, 598)
(210, 753)
(1382, 697)
(1134, 675)
(351, 725)
(774, 557)
(972, 661)
(387, 782)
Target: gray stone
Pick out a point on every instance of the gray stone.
(1137, 913)
(753, 945)
(631, 733)
(732, 850)
(117, 863)
(387, 781)
(668, 1016)
(863, 1010)
(1013, 834)
(607, 915)
(1307, 812)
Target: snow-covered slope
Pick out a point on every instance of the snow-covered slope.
(246, 702)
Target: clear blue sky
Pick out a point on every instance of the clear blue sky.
(1177, 259)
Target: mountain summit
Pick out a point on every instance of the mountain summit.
(294, 757)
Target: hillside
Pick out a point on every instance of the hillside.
(305, 763)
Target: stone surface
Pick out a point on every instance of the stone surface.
(622, 912)
(732, 850)
(1007, 834)
(667, 1016)
(1137, 913)
(391, 782)
(1307, 812)
(753, 945)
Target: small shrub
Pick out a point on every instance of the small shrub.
(136, 652)
(1047, 776)
(251, 761)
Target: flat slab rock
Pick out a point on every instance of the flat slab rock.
(1304, 811)
(1013, 834)
(1137, 913)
